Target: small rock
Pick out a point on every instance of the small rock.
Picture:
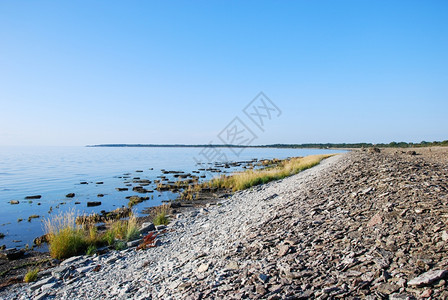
(400, 297)
(12, 254)
(283, 250)
(147, 227)
(33, 197)
(387, 288)
(375, 220)
(203, 268)
(93, 203)
(445, 236)
(263, 278)
(260, 289)
(426, 293)
(134, 243)
(160, 227)
(40, 283)
(428, 277)
(70, 195)
(84, 269)
(14, 202)
(232, 265)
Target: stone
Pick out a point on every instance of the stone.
(160, 227)
(203, 268)
(232, 265)
(387, 288)
(426, 293)
(283, 250)
(84, 269)
(375, 220)
(147, 227)
(70, 195)
(445, 236)
(428, 277)
(93, 203)
(134, 243)
(14, 202)
(40, 283)
(60, 272)
(33, 197)
(260, 289)
(397, 296)
(12, 254)
(263, 278)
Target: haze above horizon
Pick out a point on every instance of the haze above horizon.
(146, 72)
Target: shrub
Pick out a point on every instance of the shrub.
(31, 275)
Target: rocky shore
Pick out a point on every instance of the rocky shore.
(361, 225)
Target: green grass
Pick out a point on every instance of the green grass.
(160, 214)
(91, 250)
(31, 275)
(67, 239)
(280, 170)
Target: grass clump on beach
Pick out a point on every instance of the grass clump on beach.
(160, 214)
(122, 230)
(280, 170)
(66, 238)
(31, 275)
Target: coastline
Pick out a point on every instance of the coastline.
(360, 223)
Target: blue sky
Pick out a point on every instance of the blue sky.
(92, 72)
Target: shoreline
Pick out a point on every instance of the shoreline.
(348, 227)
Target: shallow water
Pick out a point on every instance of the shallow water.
(54, 172)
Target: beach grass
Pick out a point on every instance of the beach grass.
(31, 275)
(276, 170)
(67, 239)
(160, 214)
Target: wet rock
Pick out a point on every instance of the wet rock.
(33, 197)
(12, 254)
(14, 202)
(70, 195)
(93, 203)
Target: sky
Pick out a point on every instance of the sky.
(75, 73)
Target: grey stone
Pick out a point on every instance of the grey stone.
(147, 227)
(428, 277)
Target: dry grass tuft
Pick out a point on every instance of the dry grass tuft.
(285, 168)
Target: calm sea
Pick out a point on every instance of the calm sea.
(54, 172)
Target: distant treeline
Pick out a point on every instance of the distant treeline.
(317, 145)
